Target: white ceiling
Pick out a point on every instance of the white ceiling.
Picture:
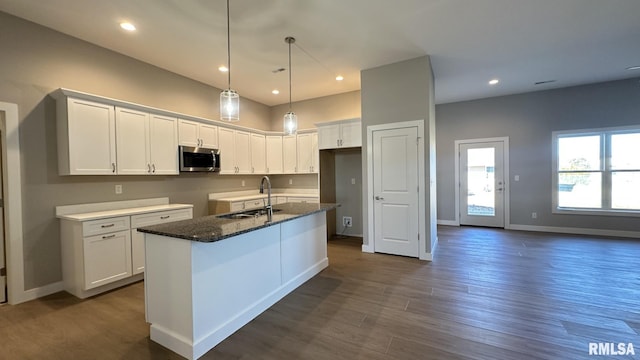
(470, 41)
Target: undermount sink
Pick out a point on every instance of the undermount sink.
(247, 214)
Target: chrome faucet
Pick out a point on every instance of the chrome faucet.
(268, 207)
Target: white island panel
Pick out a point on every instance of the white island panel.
(199, 293)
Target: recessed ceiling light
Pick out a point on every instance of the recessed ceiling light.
(223, 68)
(339, 77)
(634, 67)
(493, 81)
(127, 26)
(275, 91)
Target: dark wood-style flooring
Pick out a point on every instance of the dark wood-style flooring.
(488, 294)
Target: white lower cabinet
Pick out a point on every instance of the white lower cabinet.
(107, 258)
(101, 254)
(142, 220)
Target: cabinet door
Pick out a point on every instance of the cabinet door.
(328, 136)
(315, 154)
(163, 145)
(226, 142)
(304, 153)
(132, 135)
(92, 138)
(107, 258)
(289, 154)
(188, 133)
(137, 238)
(258, 154)
(208, 136)
(243, 152)
(351, 134)
(274, 154)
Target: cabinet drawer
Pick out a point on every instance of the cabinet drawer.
(257, 203)
(160, 217)
(301, 199)
(236, 206)
(103, 226)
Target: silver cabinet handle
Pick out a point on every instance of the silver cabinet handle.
(109, 236)
(148, 168)
(113, 167)
(379, 198)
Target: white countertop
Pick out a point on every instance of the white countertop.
(122, 212)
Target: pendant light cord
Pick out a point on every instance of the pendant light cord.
(289, 75)
(229, 48)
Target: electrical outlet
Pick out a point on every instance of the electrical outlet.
(534, 215)
(353, 181)
(290, 181)
(242, 183)
(118, 189)
(347, 221)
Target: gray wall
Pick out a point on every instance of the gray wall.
(528, 120)
(394, 93)
(323, 109)
(348, 165)
(34, 61)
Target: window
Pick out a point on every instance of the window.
(597, 171)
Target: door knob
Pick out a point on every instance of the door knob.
(379, 198)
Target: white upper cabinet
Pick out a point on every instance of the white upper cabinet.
(163, 145)
(243, 152)
(289, 154)
(196, 134)
(132, 135)
(86, 137)
(258, 154)
(146, 144)
(340, 134)
(274, 154)
(307, 153)
(235, 151)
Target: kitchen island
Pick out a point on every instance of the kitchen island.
(205, 278)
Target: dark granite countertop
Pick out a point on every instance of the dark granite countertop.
(213, 228)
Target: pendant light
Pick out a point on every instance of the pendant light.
(229, 98)
(290, 118)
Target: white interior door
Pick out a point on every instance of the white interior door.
(3, 277)
(395, 185)
(482, 184)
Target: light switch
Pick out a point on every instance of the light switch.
(516, 178)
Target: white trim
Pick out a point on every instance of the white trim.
(507, 177)
(13, 205)
(39, 292)
(577, 231)
(448, 222)
(423, 252)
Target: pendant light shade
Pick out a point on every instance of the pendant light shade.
(290, 123)
(229, 99)
(290, 118)
(229, 105)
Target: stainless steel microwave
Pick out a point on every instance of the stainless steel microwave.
(198, 159)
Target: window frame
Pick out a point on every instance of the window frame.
(605, 169)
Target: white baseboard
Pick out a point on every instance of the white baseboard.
(367, 248)
(39, 292)
(448, 222)
(577, 231)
